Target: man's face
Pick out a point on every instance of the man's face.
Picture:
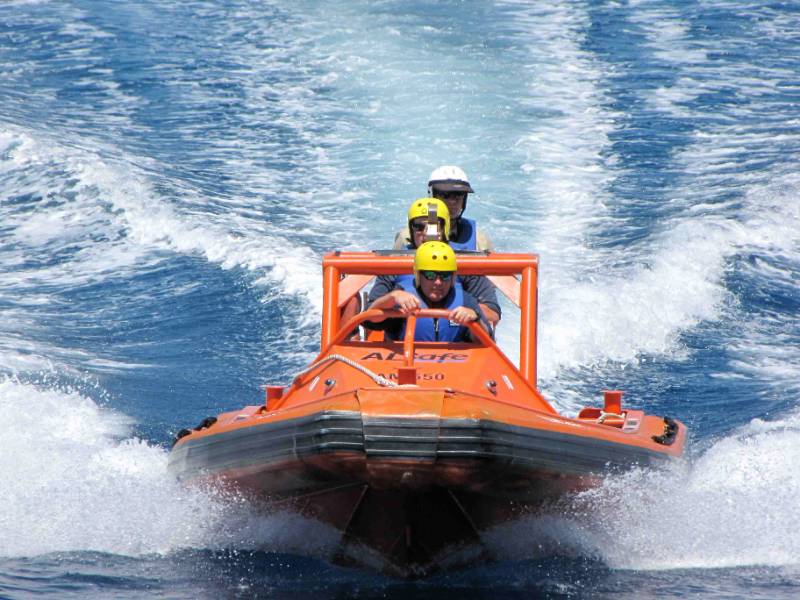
(419, 228)
(438, 287)
(453, 200)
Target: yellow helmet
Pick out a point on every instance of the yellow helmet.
(433, 256)
(421, 208)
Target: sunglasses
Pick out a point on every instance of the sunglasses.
(419, 226)
(432, 275)
(422, 225)
(449, 195)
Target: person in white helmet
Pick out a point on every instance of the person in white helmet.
(451, 185)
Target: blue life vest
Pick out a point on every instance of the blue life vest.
(435, 330)
(467, 235)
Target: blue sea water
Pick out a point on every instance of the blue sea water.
(172, 173)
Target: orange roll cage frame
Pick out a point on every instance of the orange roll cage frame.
(345, 273)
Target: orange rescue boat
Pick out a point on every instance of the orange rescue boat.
(412, 450)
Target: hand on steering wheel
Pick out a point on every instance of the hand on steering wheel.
(405, 302)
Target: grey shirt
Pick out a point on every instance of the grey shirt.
(477, 286)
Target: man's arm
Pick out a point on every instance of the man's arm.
(382, 286)
(484, 292)
(405, 302)
(473, 311)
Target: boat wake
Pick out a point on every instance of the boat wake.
(77, 481)
(733, 506)
(736, 506)
(110, 221)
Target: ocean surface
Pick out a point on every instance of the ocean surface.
(171, 174)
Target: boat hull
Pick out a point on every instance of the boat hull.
(410, 493)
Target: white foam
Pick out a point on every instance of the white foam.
(621, 314)
(671, 39)
(108, 197)
(564, 157)
(73, 480)
(668, 34)
(673, 98)
(765, 345)
(598, 306)
(642, 309)
(735, 506)
(26, 347)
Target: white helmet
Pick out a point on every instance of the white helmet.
(449, 179)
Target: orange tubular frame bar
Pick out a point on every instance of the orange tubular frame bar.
(339, 264)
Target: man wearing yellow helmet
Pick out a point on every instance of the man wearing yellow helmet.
(429, 220)
(435, 285)
(450, 184)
